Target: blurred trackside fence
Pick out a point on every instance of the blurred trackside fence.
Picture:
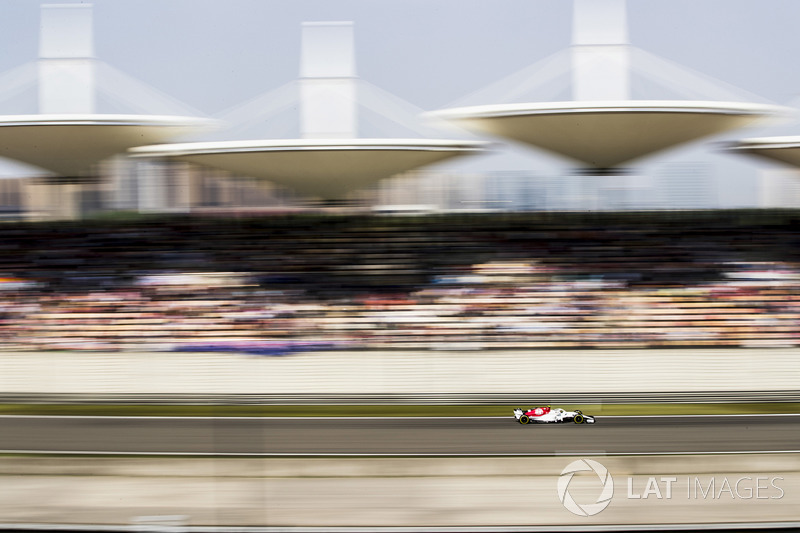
(779, 396)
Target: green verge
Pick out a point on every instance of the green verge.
(388, 410)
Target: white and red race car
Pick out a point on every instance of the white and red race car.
(546, 415)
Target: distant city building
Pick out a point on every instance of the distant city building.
(779, 188)
(673, 186)
(685, 186)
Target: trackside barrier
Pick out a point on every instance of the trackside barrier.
(784, 396)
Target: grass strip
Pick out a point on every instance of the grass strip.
(389, 410)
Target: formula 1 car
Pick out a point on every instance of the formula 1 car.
(546, 415)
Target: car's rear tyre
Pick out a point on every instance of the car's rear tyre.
(523, 419)
(578, 419)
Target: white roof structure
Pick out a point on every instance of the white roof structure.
(608, 134)
(328, 168)
(602, 127)
(68, 137)
(70, 144)
(784, 149)
(329, 160)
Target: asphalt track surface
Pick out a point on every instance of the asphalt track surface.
(397, 436)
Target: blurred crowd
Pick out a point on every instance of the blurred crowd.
(477, 281)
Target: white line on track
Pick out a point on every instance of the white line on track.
(604, 528)
(120, 417)
(388, 454)
(699, 416)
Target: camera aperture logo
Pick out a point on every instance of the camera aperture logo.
(585, 509)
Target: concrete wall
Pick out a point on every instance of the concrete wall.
(388, 492)
(422, 372)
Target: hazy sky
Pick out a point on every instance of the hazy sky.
(215, 54)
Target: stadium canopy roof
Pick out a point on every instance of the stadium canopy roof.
(784, 149)
(608, 134)
(327, 168)
(70, 144)
(85, 111)
(604, 103)
(332, 153)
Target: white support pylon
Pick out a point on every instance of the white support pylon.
(66, 59)
(328, 107)
(600, 51)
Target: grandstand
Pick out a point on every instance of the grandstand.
(440, 302)
(486, 280)
(543, 280)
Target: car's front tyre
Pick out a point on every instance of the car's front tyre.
(579, 419)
